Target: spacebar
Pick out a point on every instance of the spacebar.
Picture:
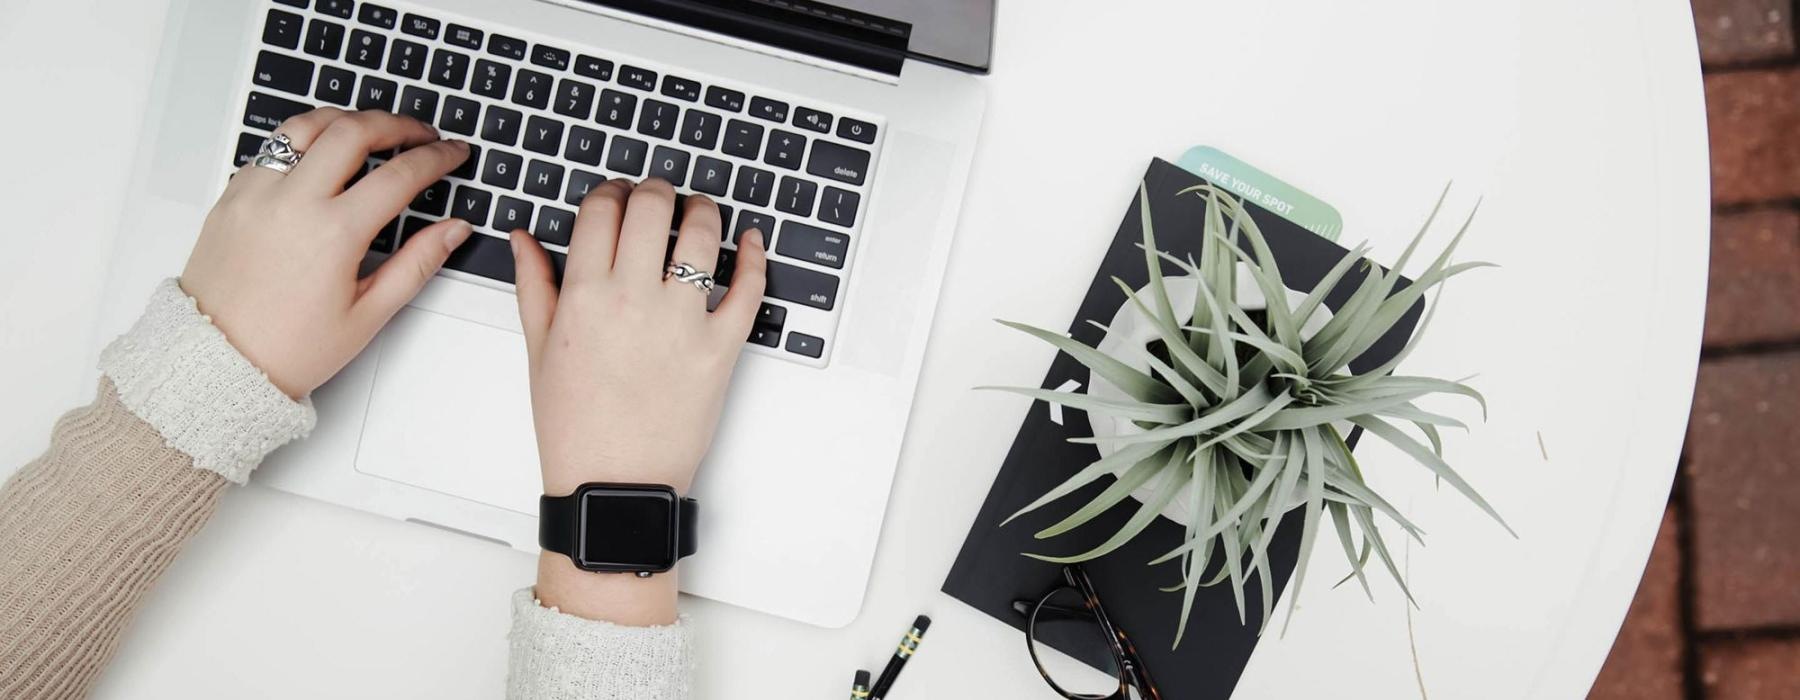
(486, 256)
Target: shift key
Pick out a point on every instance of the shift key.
(813, 244)
(801, 286)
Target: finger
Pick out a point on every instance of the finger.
(698, 242)
(596, 232)
(385, 191)
(302, 130)
(737, 311)
(344, 146)
(644, 236)
(536, 282)
(404, 273)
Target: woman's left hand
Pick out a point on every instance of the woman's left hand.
(277, 261)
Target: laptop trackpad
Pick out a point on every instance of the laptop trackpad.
(451, 412)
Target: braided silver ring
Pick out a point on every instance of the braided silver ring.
(277, 153)
(692, 275)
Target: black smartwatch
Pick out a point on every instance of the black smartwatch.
(641, 529)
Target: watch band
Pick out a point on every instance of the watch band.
(559, 524)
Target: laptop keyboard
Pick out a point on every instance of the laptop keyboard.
(549, 120)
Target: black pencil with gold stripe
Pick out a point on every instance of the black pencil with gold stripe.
(859, 688)
(909, 645)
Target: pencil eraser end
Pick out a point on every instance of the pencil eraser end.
(862, 679)
(922, 623)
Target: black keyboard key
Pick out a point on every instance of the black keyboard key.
(532, 89)
(640, 78)
(764, 335)
(407, 59)
(502, 169)
(711, 176)
(471, 204)
(419, 103)
(266, 112)
(786, 149)
(378, 16)
(725, 267)
(856, 130)
(501, 125)
(584, 145)
(248, 145)
(461, 115)
(658, 119)
(615, 109)
(284, 73)
(366, 49)
(670, 164)
(337, 8)
(449, 68)
(433, 200)
(420, 26)
(377, 94)
(324, 39)
(795, 196)
(282, 29)
(627, 156)
(491, 79)
(747, 220)
(700, 129)
(336, 85)
(412, 225)
(294, 3)
(544, 180)
(543, 135)
(386, 238)
(554, 225)
(591, 67)
(754, 186)
(772, 110)
(813, 244)
(839, 207)
(469, 165)
(771, 315)
(580, 183)
(841, 163)
(550, 57)
(803, 344)
(801, 286)
(574, 98)
(466, 37)
(512, 213)
(812, 119)
(743, 139)
(681, 88)
(724, 98)
(724, 219)
(485, 256)
(506, 47)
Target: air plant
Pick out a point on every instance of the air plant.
(1246, 418)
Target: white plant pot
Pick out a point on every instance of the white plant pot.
(1129, 335)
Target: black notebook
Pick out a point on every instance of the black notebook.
(990, 572)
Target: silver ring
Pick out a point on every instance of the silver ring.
(691, 275)
(277, 153)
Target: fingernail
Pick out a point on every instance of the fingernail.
(755, 236)
(514, 239)
(457, 234)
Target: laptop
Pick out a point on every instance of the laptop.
(844, 130)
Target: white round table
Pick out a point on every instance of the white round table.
(1581, 124)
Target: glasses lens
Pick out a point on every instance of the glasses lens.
(1071, 648)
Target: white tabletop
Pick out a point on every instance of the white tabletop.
(1581, 123)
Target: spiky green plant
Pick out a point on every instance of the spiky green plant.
(1240, 417)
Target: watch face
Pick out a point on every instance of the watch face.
(628, 529)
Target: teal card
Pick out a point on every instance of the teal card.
(1264, 190)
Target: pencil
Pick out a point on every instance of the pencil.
(909, 645)
(859, 688)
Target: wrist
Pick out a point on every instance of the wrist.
(562, 477)
(617, 598)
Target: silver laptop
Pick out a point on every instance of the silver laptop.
(845, 130)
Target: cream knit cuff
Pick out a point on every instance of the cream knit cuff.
(556, 655)
(175, 370)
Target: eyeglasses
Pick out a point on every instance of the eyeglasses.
(1070, 614)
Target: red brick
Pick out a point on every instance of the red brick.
(1740, 31)
(1645, 663)
(1753, 292)
(1743, 484)
(1753, 119)
(1751, 669)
